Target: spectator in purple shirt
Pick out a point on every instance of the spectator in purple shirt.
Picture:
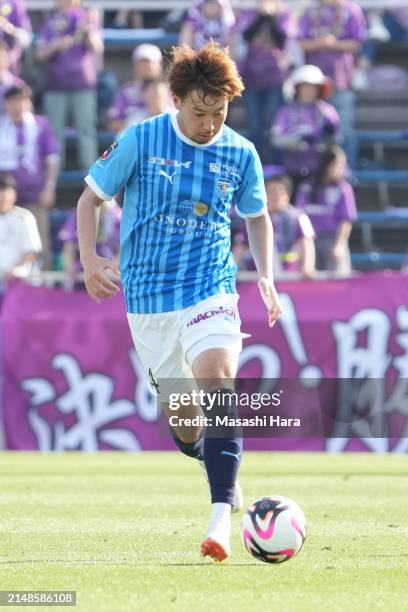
(29, 151)
(265, 32)
(304, 127)
(331, 35)
(292, 229)
(207, 19)
(15, 30)
(69, 44)
(157, 97)
(7, 78)
(329, 201)
(129, 105)
(395, 23)
(107, 240)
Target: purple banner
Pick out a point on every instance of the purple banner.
(73, 381)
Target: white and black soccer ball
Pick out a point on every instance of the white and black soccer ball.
(273, 529)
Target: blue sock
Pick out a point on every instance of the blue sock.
(222, 455)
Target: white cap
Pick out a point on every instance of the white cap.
(147, 51)
(308, 74)
(312, 75)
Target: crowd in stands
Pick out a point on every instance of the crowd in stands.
(299, 72)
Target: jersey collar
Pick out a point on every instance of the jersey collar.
(176, 127)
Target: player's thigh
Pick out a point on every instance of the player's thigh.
(217, 367)
(212, 340)
(156, 339)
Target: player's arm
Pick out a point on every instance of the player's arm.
(98, 271)
(260, 236)
(250, 204)
(107, 177)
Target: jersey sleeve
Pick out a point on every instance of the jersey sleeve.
(250, 199)
(116, 167)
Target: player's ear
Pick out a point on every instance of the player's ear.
(177, 102)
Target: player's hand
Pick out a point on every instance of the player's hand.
(271, 299)
(100, 275)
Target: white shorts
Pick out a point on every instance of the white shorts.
(167, 343)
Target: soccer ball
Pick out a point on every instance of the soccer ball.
(273, 529)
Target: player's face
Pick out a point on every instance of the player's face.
(7, 199)
(200, 119)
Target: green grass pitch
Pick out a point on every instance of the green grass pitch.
(124, 531)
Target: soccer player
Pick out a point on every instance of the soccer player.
(181, 172)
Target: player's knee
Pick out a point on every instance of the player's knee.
(188, 436)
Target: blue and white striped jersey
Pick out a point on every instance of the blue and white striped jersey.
(175, 228)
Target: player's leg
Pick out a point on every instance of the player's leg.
(188, 438)
(215, 370)
(212, 341)
(168, 373)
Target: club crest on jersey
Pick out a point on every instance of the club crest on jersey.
(224, 189)
(200, 209)
(109, 151)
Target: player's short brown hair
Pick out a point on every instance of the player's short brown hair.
(209, 70)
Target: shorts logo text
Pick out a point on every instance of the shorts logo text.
(227, 312)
